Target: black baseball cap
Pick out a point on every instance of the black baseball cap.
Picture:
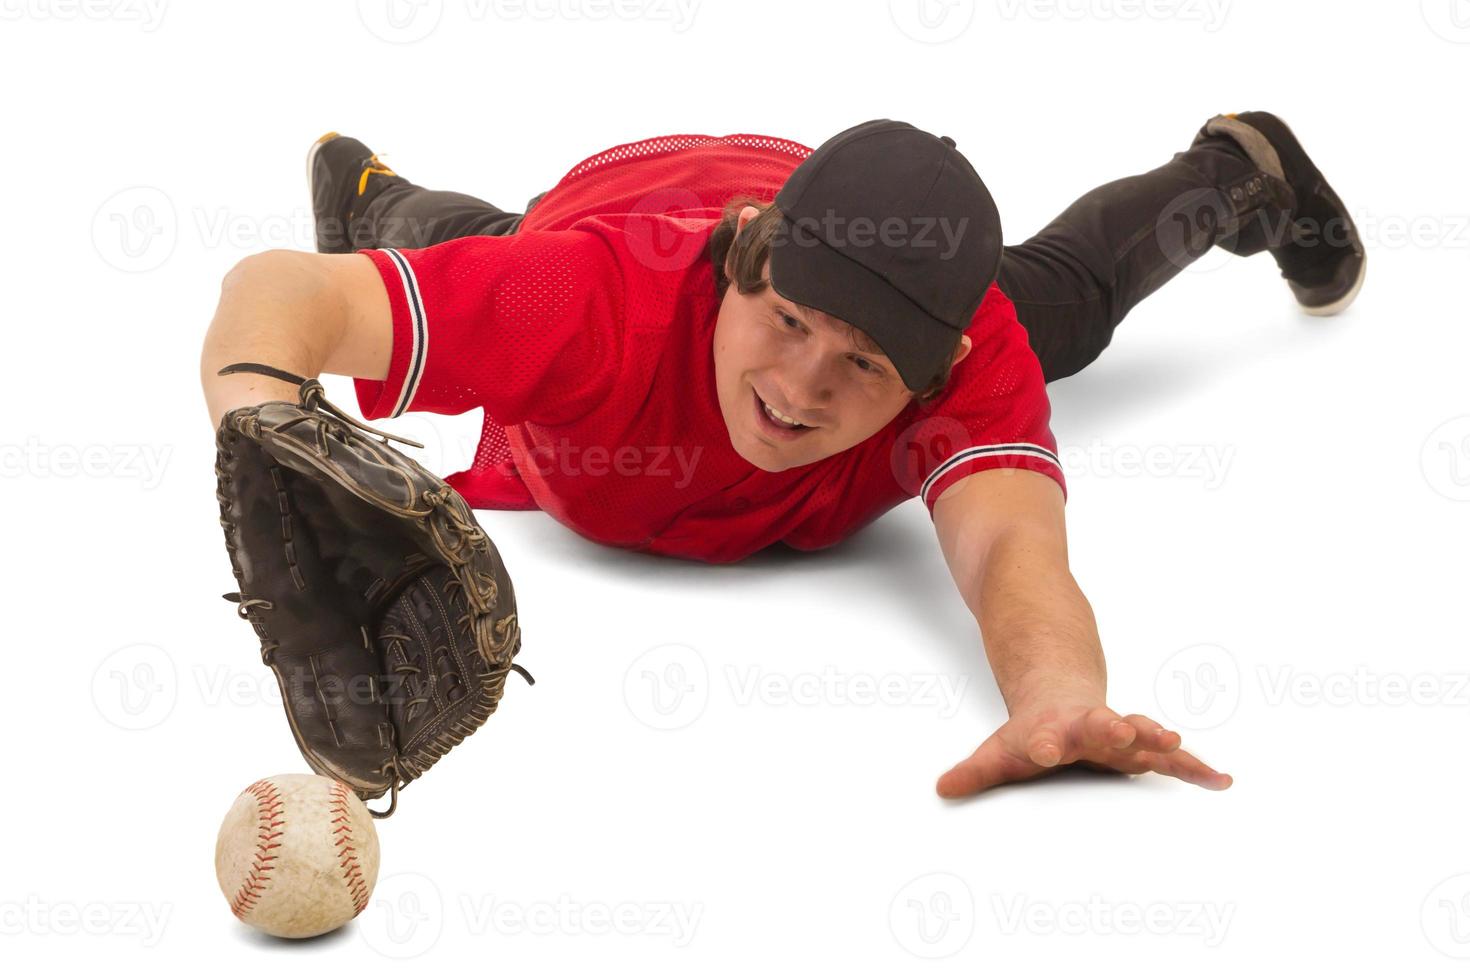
(889, 228)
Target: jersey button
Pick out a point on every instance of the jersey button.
(740, 505)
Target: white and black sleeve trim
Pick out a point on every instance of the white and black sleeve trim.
(418, 333)
(981, 452)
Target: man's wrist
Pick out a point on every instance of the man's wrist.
(1053, 688)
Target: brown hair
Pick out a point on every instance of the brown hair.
(747, 252)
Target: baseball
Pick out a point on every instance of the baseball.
(297, 855)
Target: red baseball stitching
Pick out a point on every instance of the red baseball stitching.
(342, 829)
(268, 808)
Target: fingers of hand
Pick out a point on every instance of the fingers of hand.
(1101, 728)
(1152, 736)
(990, 765)
(1181, 765)
(1044, 745)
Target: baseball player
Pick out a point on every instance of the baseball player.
(701, 346)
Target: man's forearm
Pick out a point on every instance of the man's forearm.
(272, 309)
(1039, 631)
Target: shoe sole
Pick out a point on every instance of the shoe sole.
(1338, 305)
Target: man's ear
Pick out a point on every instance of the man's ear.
(961, 352)
(741, 220)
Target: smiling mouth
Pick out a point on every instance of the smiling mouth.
(774, 422)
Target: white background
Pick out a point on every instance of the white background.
(1267, 511)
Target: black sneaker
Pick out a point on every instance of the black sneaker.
(338, 169)
(1320, 255)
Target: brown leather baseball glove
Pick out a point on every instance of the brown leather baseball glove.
(381, 605)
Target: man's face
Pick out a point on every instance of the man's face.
(772, 354)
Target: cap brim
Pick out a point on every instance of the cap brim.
(812, 274)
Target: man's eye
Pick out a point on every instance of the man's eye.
(790, 321)
(865, 365)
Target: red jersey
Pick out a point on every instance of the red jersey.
(587, 338)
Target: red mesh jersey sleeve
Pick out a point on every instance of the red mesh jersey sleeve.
(994, 412)
(526, 326)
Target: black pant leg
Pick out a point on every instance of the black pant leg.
(404, 215)
(1075, 280)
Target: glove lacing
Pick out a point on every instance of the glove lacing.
(312, 396)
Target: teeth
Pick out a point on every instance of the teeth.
(778, 416)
